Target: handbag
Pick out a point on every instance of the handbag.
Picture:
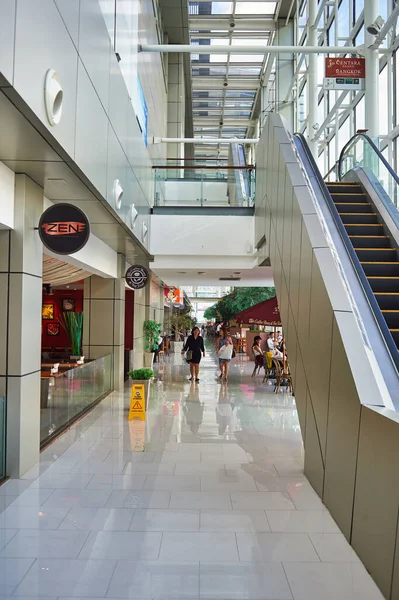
(189, 355)
(225, 352)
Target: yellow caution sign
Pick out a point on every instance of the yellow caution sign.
(137, 402)
(137, 435)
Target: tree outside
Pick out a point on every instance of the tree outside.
(239, 299)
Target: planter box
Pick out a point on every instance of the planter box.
(147, 387)
(176, 347)
(148, 359)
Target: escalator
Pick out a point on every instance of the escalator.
(363, 206)
(374, 247)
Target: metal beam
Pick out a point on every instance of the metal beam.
(240, 24)
(211, 49)
(205, 141)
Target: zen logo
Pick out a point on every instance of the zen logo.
(63, 228)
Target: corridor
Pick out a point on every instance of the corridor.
(215, 507)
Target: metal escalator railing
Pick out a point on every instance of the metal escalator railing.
(361, 152)
(350, 249)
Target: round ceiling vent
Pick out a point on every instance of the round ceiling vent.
(117, 193)
(53, 97)
(133, 216)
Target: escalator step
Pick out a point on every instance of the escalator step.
(395, 335)
(387, 300)
(392, 318)
(350, 198)
(358, 218)
(344, 188)
(380, 283)
(380, 268)
(364, 229)
(370, 241)
(353, 207)
(371, 254)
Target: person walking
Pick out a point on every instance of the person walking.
(224, 347)
(194, 347)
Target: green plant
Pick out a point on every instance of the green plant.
(152, 331)
(178, 320)
(239, 299)
(141, 374)
(72, 322)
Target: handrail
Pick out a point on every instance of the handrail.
(393, 350)
(205, 167)
(333, 168)
(374, 147)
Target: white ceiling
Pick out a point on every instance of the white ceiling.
(257, 277)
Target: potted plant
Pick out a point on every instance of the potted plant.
(151, 330)
(177, 321)
(72, 322)
(143, 376)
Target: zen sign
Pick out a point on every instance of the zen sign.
(345, 74)
(64, 229)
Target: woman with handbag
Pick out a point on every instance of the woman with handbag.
(194, 347)
(224, 347)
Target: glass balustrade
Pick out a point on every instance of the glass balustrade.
(194, 185)
(361, 152)
(68, 394)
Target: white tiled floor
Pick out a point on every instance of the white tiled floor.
(215, 508)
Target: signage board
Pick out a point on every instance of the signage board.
(137, 402)
(64, 228)
(142, 112)
(173, 297)
(346, 68)
(136, 277)
(343, 83)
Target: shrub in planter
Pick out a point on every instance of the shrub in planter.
(141, 374)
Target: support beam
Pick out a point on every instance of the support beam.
(312, 78)
(208, 49)
(371, 95)
(205, 141)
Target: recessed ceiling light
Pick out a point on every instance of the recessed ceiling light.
(182, 272)
(237, 272)
(201, 272)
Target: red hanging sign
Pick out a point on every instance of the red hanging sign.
(346, 67)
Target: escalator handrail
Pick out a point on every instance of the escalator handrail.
(376, 150)
(393, 350)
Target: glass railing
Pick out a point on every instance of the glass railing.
(67, 395)
(2, 437)
(361, 152)
(203, 185)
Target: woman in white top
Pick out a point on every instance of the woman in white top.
(224, 347)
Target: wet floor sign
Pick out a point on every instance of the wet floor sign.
(137, 402)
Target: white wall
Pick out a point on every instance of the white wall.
(202, 236)
(7, 194)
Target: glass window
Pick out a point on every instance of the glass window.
(382, 99)
(359, 115)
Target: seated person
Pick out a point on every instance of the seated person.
(260, 360)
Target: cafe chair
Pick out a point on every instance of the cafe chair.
(281, 376)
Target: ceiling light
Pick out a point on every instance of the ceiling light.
(182, 272)
(133, 216)
(201, 272)
(237, 272)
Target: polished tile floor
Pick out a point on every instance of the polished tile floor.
(205, 500)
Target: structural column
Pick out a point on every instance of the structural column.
(21, 258)
(312, 77)
(176, 108)
(372, 72)
(104, 320)
(284, 72)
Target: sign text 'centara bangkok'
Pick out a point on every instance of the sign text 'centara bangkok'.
(64, 229)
